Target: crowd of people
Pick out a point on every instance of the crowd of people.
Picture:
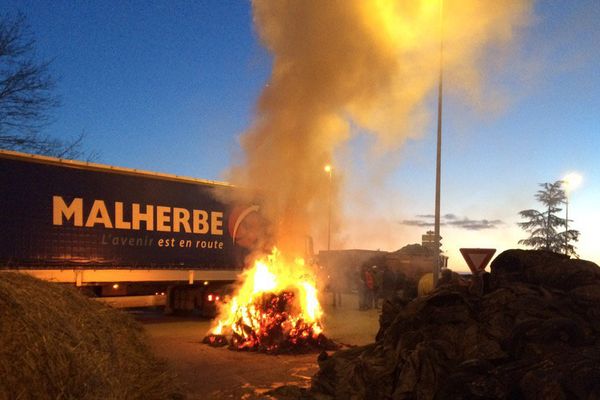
(377, 284)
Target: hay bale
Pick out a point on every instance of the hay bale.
(56, 343)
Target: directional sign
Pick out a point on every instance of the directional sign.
(477, 259)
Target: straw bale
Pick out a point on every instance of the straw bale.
(55, 343)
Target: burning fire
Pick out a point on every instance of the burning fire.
(275, 309)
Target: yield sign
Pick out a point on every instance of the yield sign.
(477, 259)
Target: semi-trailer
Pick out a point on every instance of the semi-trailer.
(127, 237)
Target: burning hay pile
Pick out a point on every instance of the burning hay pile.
(276, 310)
(534, 333)
(57, 344)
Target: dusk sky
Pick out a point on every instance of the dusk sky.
(169, 86)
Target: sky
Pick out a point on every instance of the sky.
(170, 86)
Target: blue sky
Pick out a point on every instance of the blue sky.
(170, 86)
(175, 80)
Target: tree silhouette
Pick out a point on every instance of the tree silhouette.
(544, 226)
(27, 95)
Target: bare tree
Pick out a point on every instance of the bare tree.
(27, 95)
(543, 225)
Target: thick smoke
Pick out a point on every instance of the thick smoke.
(347, 66)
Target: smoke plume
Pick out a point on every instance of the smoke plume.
(347, 66)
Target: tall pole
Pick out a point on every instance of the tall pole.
(567, 224)
(329, 169)
(438, 163)
(570, 182)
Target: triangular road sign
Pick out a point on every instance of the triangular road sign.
(477, 259)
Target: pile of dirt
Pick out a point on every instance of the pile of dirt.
(57, 344)
(531, 330)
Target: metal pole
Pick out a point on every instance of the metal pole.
(569, 182)
(334, 291)
(567, 224)
(329, 171)
(438, 164)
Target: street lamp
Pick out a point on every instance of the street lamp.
(334, 281)
(329, 170)
(571, 181)
(438, 160)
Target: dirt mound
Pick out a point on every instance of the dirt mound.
(531, 331)
(55, 343)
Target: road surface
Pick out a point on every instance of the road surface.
(218, 373)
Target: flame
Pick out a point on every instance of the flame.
(276, 306)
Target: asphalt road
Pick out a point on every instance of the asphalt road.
(218, 373)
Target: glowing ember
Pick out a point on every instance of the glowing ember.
(276, 309)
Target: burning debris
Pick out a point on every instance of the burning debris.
(340, 70)
(275, 310)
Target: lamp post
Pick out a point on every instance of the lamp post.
(329, 170)
(334, 281)
(566, 223)
(438, 161)
(570, 182)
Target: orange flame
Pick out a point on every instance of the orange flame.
(276, 306)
